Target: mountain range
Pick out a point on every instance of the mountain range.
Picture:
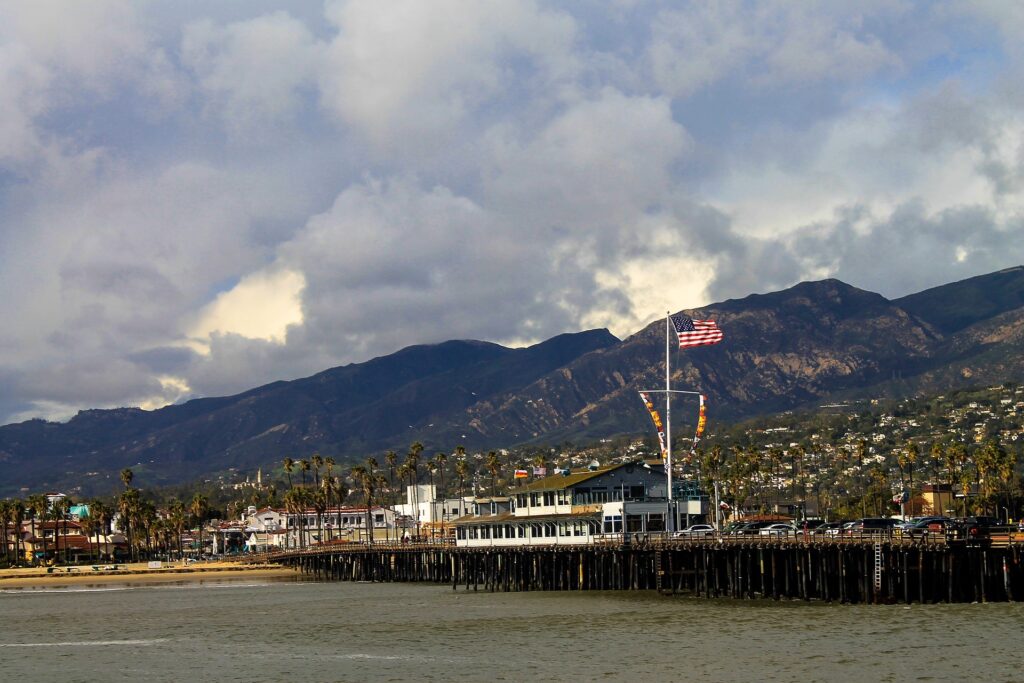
(790, 349)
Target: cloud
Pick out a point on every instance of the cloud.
(253, 72)
(200, 199)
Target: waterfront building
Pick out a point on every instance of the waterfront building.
(573, 507)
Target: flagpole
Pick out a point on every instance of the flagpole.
(668, 422)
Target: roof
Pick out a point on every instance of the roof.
(562, 481)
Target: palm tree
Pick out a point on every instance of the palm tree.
(461, 471)
(126, 476)
(494, 467)
(127, 506)
(6, 512)
(295, 503)
(412, 459)
(304, 467)
(317, 462)
(177, 519)
(391, 458)
(319, 501)
(59, 511)
(39, 506)
(441, 460)
(367, 479)
(199, 507)
(289, 465)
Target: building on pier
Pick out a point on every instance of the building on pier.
(575, 507)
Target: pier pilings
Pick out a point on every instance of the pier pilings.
(773, 570)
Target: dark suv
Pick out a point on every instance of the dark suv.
(928, 525)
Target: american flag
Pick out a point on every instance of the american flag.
(696, 332)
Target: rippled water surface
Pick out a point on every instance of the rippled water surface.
(308, 631)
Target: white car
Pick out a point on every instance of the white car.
(695, 531)
(779, 529)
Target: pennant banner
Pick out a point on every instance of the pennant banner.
(657, 421)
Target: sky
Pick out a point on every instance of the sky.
(199, 197)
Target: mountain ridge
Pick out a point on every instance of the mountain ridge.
(782, 350)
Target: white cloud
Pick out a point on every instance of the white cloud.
(261, 306)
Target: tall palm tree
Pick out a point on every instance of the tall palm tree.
(289, 465)
(39, 506)
(412, 459)
(391, 458)
(199, 507)
(127, 507)
(177, 517)
(462, 471)
(126, 477)
(295, 504)
(493, 465)
(441, 460)
(319, 502)
(304, 466)
(6, 512)
(317, 462)
(365, 480)
(59, 511)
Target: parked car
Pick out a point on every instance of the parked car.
(829, 529)
(778, 529)
(695, 531)
(751, 528)
(928, 525)
(871, 525)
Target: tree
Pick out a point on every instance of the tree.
(441, 460)
(368, 480)
(126, 477)
(295, 502)
(493, 465)
(39, 506)
(199, 507)
(289, 465)
(317, 462)
(176, 517)
(304, 467)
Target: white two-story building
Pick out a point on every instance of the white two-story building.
(571, 507)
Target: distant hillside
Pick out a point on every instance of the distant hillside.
(782, 350)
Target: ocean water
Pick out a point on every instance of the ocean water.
(295, 630)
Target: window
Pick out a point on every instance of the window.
(549, 498)
(521, 531)
(534, 500)
(634, 523)
(599, 495)
(460, 533)
(613, 524)
(378, 519)
(655, 521)
(485, 532)
(549, 529)
(564, 497)
(473, 532)
(637, 492)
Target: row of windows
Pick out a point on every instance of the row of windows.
(333, 519)
(655, 521)
(581, 496)
(531, 530)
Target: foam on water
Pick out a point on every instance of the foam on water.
(89, 643)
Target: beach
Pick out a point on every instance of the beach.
(138, 573)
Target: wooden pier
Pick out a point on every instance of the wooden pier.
(843, 572)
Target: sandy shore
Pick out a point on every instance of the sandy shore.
(140, 573)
